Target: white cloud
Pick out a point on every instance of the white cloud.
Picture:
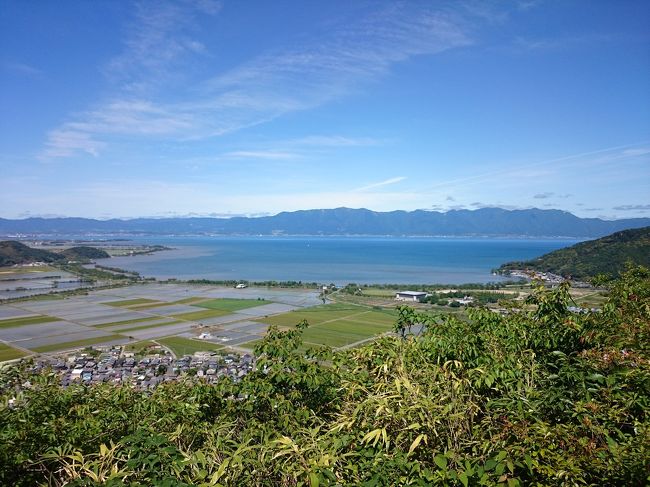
(65, 142)
(381, 184)
(641, 151)
(269, 154)
(163, 39)
(334, 141)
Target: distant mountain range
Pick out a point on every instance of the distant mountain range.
(607, 255)
(342, 221)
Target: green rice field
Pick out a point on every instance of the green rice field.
(200, 315)
(231, 305)
(185, 346)
(127, 322)
(156, 304)
(76, 344)
(336, 325)
(31, 320)
(10, 353)
(150, 325)
(133, 302)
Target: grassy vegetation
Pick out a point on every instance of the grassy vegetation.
(127, 322)
(316, 315)
(185, 346)
(382, 293)
(75, 344)
(30, 320)
(131, 302)
(10, 353)
(230, 304)
(336, 325)
(200, 315)
(140, 347)
(190, 300)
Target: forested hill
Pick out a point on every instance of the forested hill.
(344, 221)
(83, 252)
(606, 255)
(13, 252)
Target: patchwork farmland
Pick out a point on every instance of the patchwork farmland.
(336, 325)
(183, 318)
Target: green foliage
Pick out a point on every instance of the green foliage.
(84, 253)
(540, 396)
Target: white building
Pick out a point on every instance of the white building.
(414, 296)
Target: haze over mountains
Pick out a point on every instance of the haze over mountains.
(344, 221)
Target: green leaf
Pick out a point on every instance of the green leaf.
(463, 478)
(441, 461)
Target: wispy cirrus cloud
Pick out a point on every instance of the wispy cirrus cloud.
(160, 38)
(21, 69)
(267, 154)
(333, 141)
(530, 170)
(380, 184)
(153, 97)
(66, 141)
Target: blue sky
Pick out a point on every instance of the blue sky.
(154, 108)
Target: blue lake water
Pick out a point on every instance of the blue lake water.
(339, 260)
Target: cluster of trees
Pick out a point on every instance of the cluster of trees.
(98, 274)
(541, 396)
(117, 270)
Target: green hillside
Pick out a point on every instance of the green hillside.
(13, 252)
(84, 253)
(606, 255)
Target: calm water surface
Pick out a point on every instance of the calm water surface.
(334, 259)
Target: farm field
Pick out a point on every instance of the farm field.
(226, 304)
(127, 303)
(76, 343)
(144, 312)
(336, 325)
(31, 320)
(127, 322)
(199, 315)
(186, 346)
(10, 353)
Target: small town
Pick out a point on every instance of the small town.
(118, 366)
